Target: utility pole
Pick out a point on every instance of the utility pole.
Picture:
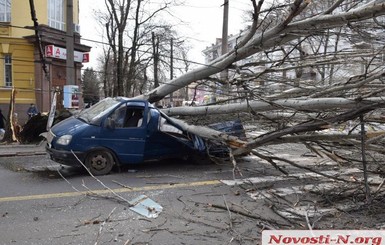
(224, 74)
(225, 27)
(70, 64)
(171, 66)
(155, 50)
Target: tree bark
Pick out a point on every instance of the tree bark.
(318, 104)
(11, 127)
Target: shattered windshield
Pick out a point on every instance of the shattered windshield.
(97, 111)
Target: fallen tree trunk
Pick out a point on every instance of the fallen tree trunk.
(372, 137)
(241, 147)
(209, 133)
(305, 104)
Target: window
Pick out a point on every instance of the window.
(119, 115)
(127, 117)
(8, 70)
(5, 10)
(56, 14)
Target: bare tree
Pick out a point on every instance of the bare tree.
(302, 68)
(107, 75)
(315, 69)
(129, 26)
(287, 30)
(118, 15)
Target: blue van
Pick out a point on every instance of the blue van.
(119, 131)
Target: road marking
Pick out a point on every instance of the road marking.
(118, 190)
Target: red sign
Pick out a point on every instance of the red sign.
(61, 53)
(49, 50)
(57, 52)
(86, 57)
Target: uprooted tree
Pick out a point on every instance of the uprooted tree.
(301, 57)
(311, 62)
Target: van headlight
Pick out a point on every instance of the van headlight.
(64, 140)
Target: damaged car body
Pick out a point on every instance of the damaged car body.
(120, 131)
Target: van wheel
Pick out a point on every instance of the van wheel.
(99, 162)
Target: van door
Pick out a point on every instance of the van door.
(127, 135)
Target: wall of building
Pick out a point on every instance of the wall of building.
(21, 16)
(27, 77)
(22, 71)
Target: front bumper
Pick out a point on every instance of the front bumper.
(65, 157)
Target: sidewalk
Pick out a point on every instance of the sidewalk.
(12, 155)
(16, 149)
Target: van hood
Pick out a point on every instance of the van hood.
(70, 126)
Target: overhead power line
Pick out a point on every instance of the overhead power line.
(164, 56)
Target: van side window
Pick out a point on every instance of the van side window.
(134, 118)
(126, 117)
(118, 116)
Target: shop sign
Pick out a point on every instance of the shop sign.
(52, 51)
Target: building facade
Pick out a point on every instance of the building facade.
(33, 59)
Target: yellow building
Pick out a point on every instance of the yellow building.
(25, 49)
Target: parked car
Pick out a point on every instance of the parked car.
(119, 131)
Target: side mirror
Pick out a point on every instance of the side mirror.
(110, 123)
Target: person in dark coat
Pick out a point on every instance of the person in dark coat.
(32, 111)
(2, 120)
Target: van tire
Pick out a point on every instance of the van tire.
(99, 162)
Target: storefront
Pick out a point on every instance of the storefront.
(50, 72)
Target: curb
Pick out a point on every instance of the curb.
(14, 154)
(11, 150)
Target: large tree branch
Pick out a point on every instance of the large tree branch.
(313, 125)
(291, 104)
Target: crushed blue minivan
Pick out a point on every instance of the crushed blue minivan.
(120, 131)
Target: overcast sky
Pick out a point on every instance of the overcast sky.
(203, 18)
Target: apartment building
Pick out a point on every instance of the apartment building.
(33, 60)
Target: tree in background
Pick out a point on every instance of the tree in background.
(90, 86)
(128, 58)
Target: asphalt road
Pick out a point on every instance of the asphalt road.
(43, 203)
